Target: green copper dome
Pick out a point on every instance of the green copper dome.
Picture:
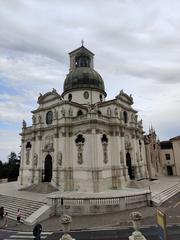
(83, 78)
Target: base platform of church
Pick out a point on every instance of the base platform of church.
(79, 203)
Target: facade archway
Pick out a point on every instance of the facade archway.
(129, 165)
(47, 169)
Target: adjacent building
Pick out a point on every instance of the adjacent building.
(153, 154)
(79, 140)
(170, 154)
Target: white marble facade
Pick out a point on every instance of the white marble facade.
(79, 141)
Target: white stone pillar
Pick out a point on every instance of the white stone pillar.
(125, 169)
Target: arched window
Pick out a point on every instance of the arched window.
(70, 97)
(79, 113)
(28, 145)
(125, 116)
(99, 112)
(80, 139)
(82, 61)
(100, 97)
(104, 139)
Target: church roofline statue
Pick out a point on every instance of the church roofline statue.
(53, 93)
(125, 97)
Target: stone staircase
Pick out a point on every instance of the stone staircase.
(12, 204)
(161, 197)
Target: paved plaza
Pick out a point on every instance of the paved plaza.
(118, 219)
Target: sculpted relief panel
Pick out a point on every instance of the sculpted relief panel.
(48, 146)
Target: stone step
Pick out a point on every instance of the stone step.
(167, 191)
(43, 187)
(12, 204)
(161, 197)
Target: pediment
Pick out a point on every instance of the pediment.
(48, 97)
(125, 97)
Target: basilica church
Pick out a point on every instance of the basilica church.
(79, 141)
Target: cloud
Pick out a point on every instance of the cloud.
(136, 45)
(9, 142)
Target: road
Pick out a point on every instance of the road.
(119, 234)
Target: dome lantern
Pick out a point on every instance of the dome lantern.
(82, 75)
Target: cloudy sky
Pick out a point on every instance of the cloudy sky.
(136, 45)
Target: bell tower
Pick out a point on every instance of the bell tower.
(81, 57)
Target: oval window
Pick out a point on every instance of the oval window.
(86, 95)
(49, 117)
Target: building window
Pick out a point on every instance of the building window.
(70, 97)
(168, 157)
(86, 95)
(79, 113)
(99, 112)
(100, 97)
(82, 61)
(28, 145)
(49, 117)
(125, 116)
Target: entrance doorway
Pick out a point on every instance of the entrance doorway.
(169, 171)
(129, 165)
(47, 169)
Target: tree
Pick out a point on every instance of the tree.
(13, 158)
(13, 166)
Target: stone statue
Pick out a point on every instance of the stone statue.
(80, 153)
(116, 112)
(59, 158)
(70, 112)
(132, 117)
(63, 112)
(35, 160)
(121, 157)
(109, 112)
(27, 156)
(140, 123)
(39, 118)
(34, 119)
(137, 156)
(55, 114)
(48, 142)
(24, 124)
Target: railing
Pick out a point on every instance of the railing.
(90, 205)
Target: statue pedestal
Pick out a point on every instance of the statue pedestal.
(137, 236)
(65, 221)
(66, 237)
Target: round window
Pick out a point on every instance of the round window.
(49, 117)
(86, 95)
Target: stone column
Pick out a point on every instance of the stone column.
(95, 160)
(125, 169)
(55, 176)
(117, 163)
